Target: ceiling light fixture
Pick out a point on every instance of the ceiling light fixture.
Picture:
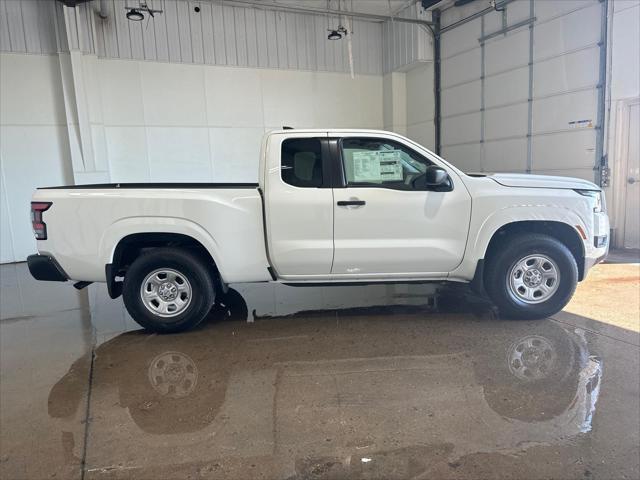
(135, 15)
(337, 33)
(340, 32)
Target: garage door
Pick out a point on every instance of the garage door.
(520, 87)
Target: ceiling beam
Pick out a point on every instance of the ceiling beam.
(321, 11)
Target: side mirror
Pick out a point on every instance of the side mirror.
(435, 176)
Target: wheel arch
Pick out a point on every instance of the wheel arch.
(561, 231)
(131, 246)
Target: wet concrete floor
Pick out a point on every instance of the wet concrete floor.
(385, 382)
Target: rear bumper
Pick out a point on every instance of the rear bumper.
(44, 267)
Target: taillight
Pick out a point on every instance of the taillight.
(39, 227)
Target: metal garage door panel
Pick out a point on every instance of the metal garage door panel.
(505, 155)
(508, 87)
(492, 22)
(461, 68)
(518, 11)
(461, 129)
(557, 112)
(508, 121)
(564, 34)
(551, 9)
(465, 157)
(567, 72)
(565, 75)
(464, 98)
(507, 52)
(564, 150)
(464, 37)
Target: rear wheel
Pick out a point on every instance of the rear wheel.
(168, 290)
(531, 276)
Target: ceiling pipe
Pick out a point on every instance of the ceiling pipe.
(321, 11)
(72, 3)
(496, 7)
(102, 12)
(404, 6)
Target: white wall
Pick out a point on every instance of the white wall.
(185, 98)
(625, 49)
(394, 86)
(34, 148)
(81, 119)
(175, 122)
(420, 105)
(409, 103)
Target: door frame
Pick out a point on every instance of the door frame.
(336, 137)
(620, 167)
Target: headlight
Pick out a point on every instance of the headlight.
(598, 199)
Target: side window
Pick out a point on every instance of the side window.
(383, 163)
(302, 162)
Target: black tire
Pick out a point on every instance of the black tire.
(515, 248)
(196, 272)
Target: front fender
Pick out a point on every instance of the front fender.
(483, 229)
(512, 214)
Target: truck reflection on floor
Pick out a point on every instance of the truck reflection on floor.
(313, 396)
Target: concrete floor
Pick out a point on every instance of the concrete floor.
(322, 384)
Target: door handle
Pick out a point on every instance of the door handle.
(631, 180)
(349, 203)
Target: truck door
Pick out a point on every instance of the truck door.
(385, 223)
(299, 204)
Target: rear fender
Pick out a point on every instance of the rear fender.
(135, 225)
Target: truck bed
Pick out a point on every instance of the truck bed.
(85, 223)
(98, 186)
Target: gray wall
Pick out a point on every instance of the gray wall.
(35, 26)
(217, 35)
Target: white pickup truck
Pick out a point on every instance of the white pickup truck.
(330, 207)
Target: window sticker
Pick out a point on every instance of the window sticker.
(370, 166)
(581, 124)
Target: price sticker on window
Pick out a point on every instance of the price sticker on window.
(374, 166)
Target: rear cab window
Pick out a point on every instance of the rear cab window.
(302, 164)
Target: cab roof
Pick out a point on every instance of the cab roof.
(328, 130)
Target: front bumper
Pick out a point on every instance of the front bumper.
(44, 267)
(596, 247)
(592, 261)
(595, 256)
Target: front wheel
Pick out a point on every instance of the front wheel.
(168, 290)
(531, 276)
